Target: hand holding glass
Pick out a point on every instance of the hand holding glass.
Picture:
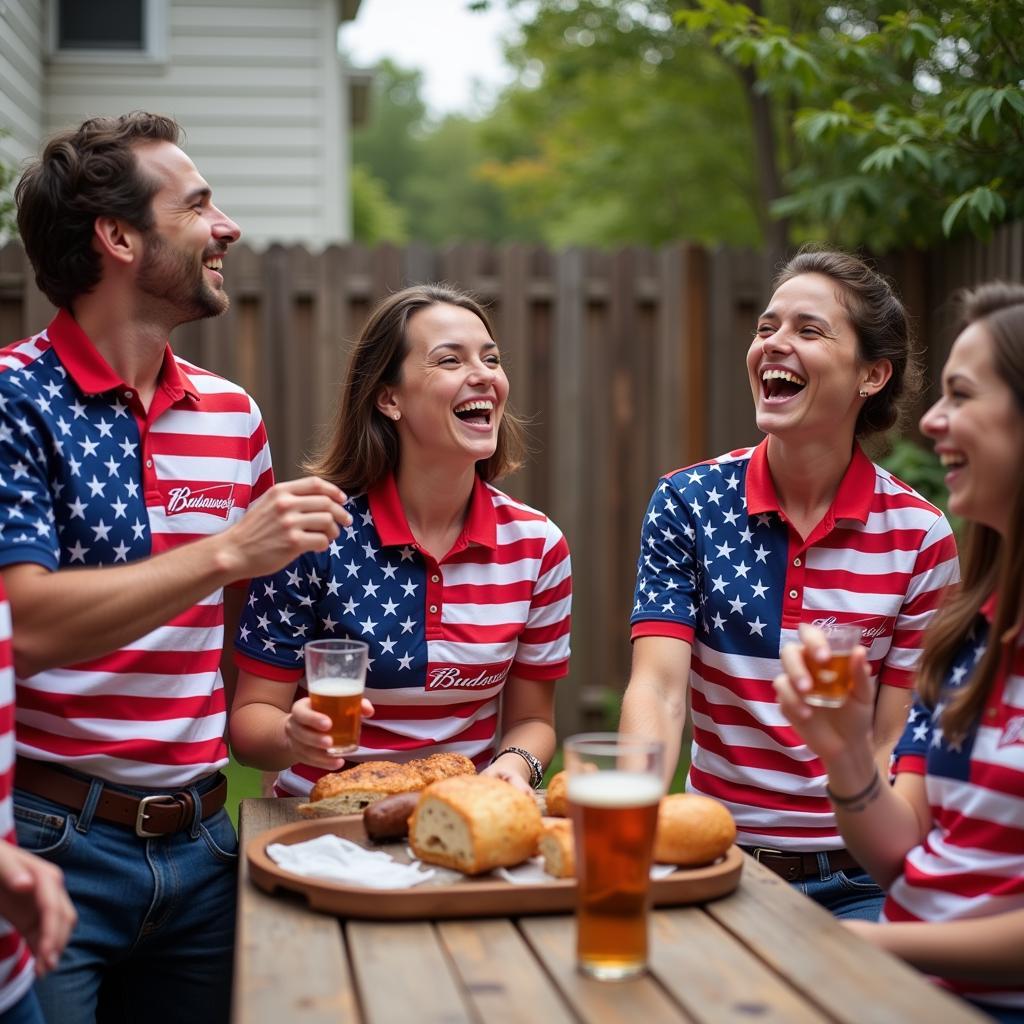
(614, 785)
(336, 679)
(831, 681)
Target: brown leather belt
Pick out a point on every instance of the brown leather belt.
(161, 814)
(796, 867)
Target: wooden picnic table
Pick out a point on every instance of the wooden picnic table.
(762, 954)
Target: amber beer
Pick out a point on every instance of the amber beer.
(335, 680)
(339, 699)
(613, 788)
(832, 681)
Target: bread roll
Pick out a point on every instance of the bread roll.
(354, 789)
(692, 830)
(556, 846)
(473, 824)
(557, 803)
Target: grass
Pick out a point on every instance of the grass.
(242, 783)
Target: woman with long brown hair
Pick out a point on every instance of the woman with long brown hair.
(947, 838)
(462, 592)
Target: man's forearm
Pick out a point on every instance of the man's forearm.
(74, 615)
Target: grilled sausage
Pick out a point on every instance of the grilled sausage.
(389, 818)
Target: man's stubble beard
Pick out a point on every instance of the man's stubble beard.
(174, 278)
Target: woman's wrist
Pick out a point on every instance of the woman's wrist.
(524, 763)
(852, 777)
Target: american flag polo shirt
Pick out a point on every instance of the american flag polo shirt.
(90, 478)
(443, 637)
(16, 964)
(721, 569)
(971, 863)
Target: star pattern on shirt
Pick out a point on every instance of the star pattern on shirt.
(357, 589)
(86, 501)
(699, 542)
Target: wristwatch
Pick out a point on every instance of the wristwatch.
(536, 768)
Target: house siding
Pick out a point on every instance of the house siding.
(260, 91)
(21, 78)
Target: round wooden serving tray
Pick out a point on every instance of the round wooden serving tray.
(485, 896)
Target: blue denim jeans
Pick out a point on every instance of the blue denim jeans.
(1002, 1014)
(844, 894)
(156, 917)
(24, 1011)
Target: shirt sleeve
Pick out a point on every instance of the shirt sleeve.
(261, 470)
(543, 648)
(27, 519)
(279, 617)
(910, 752)
(665, 599)
(935, 569)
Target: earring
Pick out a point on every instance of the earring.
(864, 393)
(396, 416)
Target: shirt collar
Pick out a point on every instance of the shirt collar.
(481, 526)
(94, 375)
(853, 497)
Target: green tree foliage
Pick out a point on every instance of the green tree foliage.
(904, 121)
(415, 179)
(8, 176)
(620, 130)
(375, 217)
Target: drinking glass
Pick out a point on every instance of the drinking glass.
(335, 679)
(613, 784)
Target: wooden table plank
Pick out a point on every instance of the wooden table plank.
(825, 962)
(715, 978)
(289, 962)
(642, 999)
(403, 974)
(503, 980)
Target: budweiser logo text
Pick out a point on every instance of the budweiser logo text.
(217, 500)
(1013, 732)
(452, 677)
(869, 629)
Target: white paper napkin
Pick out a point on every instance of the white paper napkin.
(339, 860)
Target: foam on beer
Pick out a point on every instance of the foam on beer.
(335, 686)
(614, 789)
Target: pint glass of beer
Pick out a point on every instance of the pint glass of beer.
(831, 681)
(335, 679)
(614, 784)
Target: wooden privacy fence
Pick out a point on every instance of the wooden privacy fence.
(626, 363)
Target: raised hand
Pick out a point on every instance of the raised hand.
(829, 732)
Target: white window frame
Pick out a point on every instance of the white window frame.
(154, 50)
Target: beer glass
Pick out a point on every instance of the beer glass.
(831, 680)
(335, 680)
(614, 784)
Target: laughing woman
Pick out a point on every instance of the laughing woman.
(738, 551)
(462, 593)
(947, 839)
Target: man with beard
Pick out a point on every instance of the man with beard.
(136, 500)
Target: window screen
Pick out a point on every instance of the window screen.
(101, 25)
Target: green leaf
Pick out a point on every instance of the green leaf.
(953, 211)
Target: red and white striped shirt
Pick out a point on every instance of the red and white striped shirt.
(971, 863)
(16, 964)
(721, 569)
(444, 636)
(91, 478)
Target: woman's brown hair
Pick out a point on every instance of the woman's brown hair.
(362, 445)
(991, 563)
(880, 322)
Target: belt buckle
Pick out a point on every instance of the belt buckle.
(140, 817)
(757, 852)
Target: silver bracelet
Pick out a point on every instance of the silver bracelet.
(536, 768)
